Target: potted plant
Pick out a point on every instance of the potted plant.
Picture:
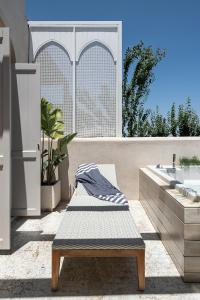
(52, 127)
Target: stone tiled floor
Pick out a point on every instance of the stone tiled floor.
(25, 272)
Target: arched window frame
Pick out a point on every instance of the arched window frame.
(69, 34)
(86, 47)
(54, 42)
(98, 42)
(61, 47)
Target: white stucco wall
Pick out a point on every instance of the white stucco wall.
(128, 154)
(12, 15)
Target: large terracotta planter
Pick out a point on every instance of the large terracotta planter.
(50, 196)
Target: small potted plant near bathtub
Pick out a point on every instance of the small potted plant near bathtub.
(188, 162)
(52, 127)
(191, 167)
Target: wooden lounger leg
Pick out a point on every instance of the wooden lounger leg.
(55, 269)
(141, 269)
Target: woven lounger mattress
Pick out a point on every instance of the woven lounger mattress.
(90, 223)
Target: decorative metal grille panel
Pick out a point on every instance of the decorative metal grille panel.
(56, 79)
(96, 92)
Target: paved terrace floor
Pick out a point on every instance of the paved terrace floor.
(25, 272)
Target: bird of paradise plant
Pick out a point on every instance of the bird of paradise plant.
(52, 127)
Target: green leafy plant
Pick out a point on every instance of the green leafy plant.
(172, 120)
(188, 120)
(138, 75)
(186, 161)
(159, 126)
(136, 87)
(52, 127)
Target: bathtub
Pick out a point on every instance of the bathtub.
(185, 179)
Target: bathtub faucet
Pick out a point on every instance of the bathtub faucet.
(174, 161)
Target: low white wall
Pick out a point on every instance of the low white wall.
(128, 154)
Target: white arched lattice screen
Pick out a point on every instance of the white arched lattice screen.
(95, 92)
(56, 79)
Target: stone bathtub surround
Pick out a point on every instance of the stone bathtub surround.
(177, 220)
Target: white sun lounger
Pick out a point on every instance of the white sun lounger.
(96, 228)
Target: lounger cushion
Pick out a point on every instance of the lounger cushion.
(98, 230)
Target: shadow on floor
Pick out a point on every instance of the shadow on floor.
(95, 277)
(23, 238)
(20, 238)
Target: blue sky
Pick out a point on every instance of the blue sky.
(170, 24)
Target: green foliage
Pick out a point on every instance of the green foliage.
(181, 122)
(185, 161)
(188, 120)
(52, 127)
(172, 120)
(159, 126)
(138, 121)
(135, 89)
(142, 122)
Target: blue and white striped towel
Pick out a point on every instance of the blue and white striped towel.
(97, 185)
